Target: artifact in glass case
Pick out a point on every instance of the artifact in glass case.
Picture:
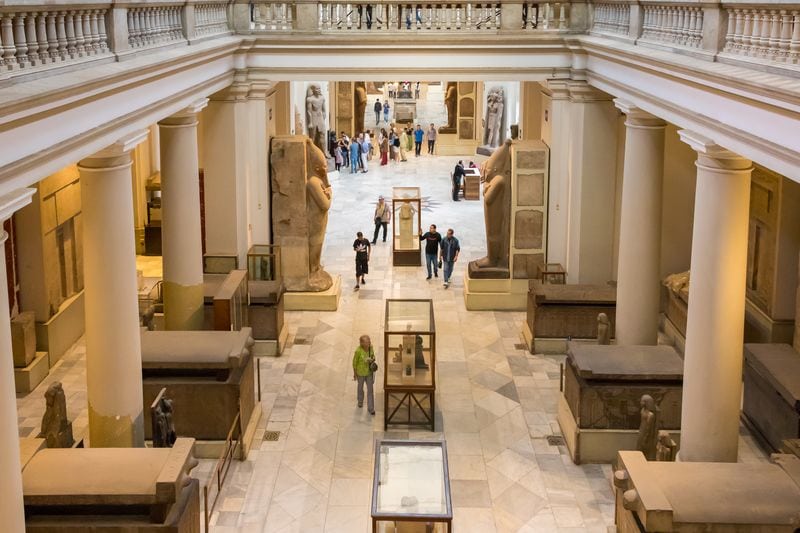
(406, 215)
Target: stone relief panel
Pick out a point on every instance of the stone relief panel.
(528, 225)
(530, 189)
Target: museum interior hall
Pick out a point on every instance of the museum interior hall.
(390, 267)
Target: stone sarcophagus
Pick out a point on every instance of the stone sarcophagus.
(659, 497)
(113, 490)
(209, 376)
(772, 391)
(558, 311)
(599, 411)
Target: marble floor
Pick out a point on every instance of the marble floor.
(496, 404)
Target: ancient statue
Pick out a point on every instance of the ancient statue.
(163, 426)
(315, 116)
(648, 427)
(497, 215)
(359, 107)
(494, 128)
(407, 234)
(56, 429)
(451, 103)
(665, 447)
(603, 329)
(318, 192)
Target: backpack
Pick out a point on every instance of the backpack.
(396, 142)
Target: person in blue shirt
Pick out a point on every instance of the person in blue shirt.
(386, 111)
(355, 156)
(419, 135)
(449, 250)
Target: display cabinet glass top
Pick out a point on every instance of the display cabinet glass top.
(409, 316)
(405, 193)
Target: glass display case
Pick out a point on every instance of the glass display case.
(263, 262)
(406, 220)
(409, 377)
(411, 487)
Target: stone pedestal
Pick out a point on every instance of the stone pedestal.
(30, 366)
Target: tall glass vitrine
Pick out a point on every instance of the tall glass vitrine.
(406, 220)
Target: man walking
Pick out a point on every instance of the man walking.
(432, 239)
(418, 136)
(458, 176)
(386, 111)
(381, 217)
(363, 374)
(364, 144)
(450, 248)
(377, 108)
(431, 139)
(363, 249)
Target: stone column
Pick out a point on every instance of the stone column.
(113, 346)
(712, 370)
(555, 124)
(258, 186)
(180, 226)
(12, 514)
(638, 271)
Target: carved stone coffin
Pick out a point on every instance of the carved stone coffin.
(604, 383)
(709, 497)
(561, 311)
(772, 391)
(114, 490)
(266, 309)
(209, 375)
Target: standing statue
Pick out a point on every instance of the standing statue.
(56, 429)
(315, 116)
(318, 191)
(451, 103)
(163, 425)
(360, 107)
(603, 329)
(407, 234)
(666, 447)
(495, 118)
(497, 215)
(648, 427)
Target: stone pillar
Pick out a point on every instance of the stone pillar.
(639, 263)
(712, 371)
(12, 514)
(180, 226)
(258, 189)
(113, 347)
(555, 125)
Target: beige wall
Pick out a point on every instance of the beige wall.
(531, 110)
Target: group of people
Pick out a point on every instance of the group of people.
(393, 145)
(458, 177)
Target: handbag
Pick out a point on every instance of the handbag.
(373, 366)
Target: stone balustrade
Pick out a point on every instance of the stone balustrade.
(154, 25)
(211, 19)
(765, 33)
(673, 25)
(612, 18)
(273, 16)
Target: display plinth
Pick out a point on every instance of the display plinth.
(599, 409)
(450, 144)
(327, 300)
(655, 496)
(27, 378)
(495, 294)
(409, 363)
(406, 221)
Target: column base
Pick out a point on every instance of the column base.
(327, 300)
(26, 379)
(495, 294)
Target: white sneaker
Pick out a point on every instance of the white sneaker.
(446, 284)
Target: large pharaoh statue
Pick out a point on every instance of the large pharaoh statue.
(318, 202)
(497, 215)
(451, 104)
(315, 116)
(359, 107)
(495, 105)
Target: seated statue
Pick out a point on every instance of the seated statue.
(163, 426)
(56, 429)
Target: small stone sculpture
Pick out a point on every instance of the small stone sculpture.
(665, 447)
(603, 329)
(315, 116)
(648, 427)
(495, 104)
(407, 212)
(163, 426)
(56, 429)
(419, 358)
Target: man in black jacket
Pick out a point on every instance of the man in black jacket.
(458, 176)
(378, 107)
(432, 239)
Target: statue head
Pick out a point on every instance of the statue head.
(495, 98)
(499, 162)
(313, 90)
(648, 403)
(602, 318)
(53, 392)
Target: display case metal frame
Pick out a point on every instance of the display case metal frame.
(405, 256)
(409, 395)
(446, 518)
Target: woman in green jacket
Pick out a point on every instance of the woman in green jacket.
(362, 372)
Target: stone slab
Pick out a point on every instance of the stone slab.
(780, 365)
(23, 338)
(327, 300)
(60, 333)
(573, 293)
(195, 349)
(626, 363)
(28, 378)
(28, 447)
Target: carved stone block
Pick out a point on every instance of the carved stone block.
(526, 265)
(466, 128)
(530, 189)
(466, 108)
(528, 226)
(23, 338)
(531, 159)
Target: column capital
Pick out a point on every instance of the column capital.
(186, 116)
(581, 91)
(115, 154)
(260, 90)
(637, 117)
(557, 89)
(714, 157)
(238, 91)
(12, 202)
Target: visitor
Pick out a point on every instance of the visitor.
(394, 146)
(368, 20)
(363, 250)
(381, 218)
(377, 108)
(418, 136)
(386, 111)
(431, 135)
(410, 139)
(355, 156)
(458, 176)
(416, 91)
(403, 144)
(365, 147)
(345, 141)
(450, 248)
(368, 140)
(391, 90)
(384, 147)
(337, 155)
(432, 239)
(363, 359)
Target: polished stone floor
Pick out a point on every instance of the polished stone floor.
(496, 404)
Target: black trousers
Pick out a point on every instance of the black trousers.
(430, 146)
(417, 147)
(456, 187)
(378, 225)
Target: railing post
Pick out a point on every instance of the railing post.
(714, 29)
(189, 22)
(510, 16)
(306, 16)
(578, 16)
(117, 28)
(636, 21)
(241, 16)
